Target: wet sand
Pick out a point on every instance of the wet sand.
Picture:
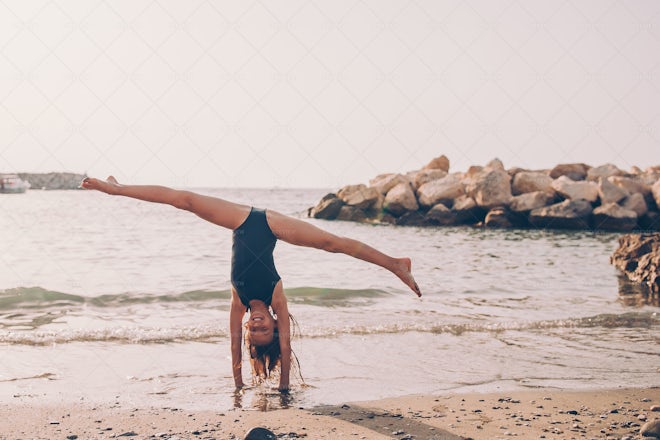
(536, 414)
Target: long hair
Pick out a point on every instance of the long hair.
(264, 359)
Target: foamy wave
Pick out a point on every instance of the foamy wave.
(125, 335)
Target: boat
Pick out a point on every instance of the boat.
(12, 184)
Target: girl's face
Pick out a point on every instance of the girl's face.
(260, 328)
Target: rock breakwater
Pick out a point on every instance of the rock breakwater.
(53, 180)
(569, 196)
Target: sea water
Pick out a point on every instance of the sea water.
(108, 299)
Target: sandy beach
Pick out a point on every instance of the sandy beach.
(537, 414)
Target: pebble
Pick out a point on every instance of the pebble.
(54, 422)
(655, 408)
(71, 437)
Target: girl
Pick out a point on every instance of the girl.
(255, 284)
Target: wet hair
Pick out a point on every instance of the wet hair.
(264, 359)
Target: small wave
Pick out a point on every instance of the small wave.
(206, 333)
(125, 335)
(40, 298)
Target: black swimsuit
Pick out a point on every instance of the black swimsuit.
(253, 272)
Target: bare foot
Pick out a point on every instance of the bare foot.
(109, 186)
(403, 271)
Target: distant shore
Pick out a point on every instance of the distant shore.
(540, 413)
(53, 181)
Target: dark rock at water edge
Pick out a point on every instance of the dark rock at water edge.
(638, 257)
(328, 208)
(53, 180)
(260, 434)
(569, 214)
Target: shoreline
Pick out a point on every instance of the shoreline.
(539, 413)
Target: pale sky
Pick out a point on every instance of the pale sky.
(323, 93)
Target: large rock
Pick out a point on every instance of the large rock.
(438, 163)
(328, 208)
(467, 211)
(636, 202)
(351, 214)
(359, 196)
(421, 177)
(614, 217)
(490, 188)
(574, 171)
(531, 181)
(412, 218)
(498, 218)
(442, 216)
(400, 199)
(638, 257)
(650, 429)
(631, 184)
(655, 190)
(573, 190)
(443, 190)
(609, 192)
(569, 214)
(604, 171)
(385, 182)
(529, 201)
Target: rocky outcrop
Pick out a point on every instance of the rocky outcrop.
(53, 180)
(638, 257)
(574, 196)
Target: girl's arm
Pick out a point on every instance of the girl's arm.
(236, 314)
(281, 309)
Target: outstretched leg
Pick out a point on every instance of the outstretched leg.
(301, 233)
(215, 210)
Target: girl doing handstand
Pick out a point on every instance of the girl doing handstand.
(255, 284)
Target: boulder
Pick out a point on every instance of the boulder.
(569, 214)
(443, 190)
(467, 211)
(530, 181)
(421, 177)
(359, 196)
(473, 171)
(574, 171)
(631, 184)
(636, 202)
(412, 218)
(327, 208)
(351, 214)
(441, 215)
(609, 192)
(614, 217)
(385, 182)
(638, 257)
(650, 429)
(400, 199)
(531, 200)
(438, 163)
(573, 190)
(490, 188)
(655, 190)
(604, 171)
(498, 218)
(495, 164)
